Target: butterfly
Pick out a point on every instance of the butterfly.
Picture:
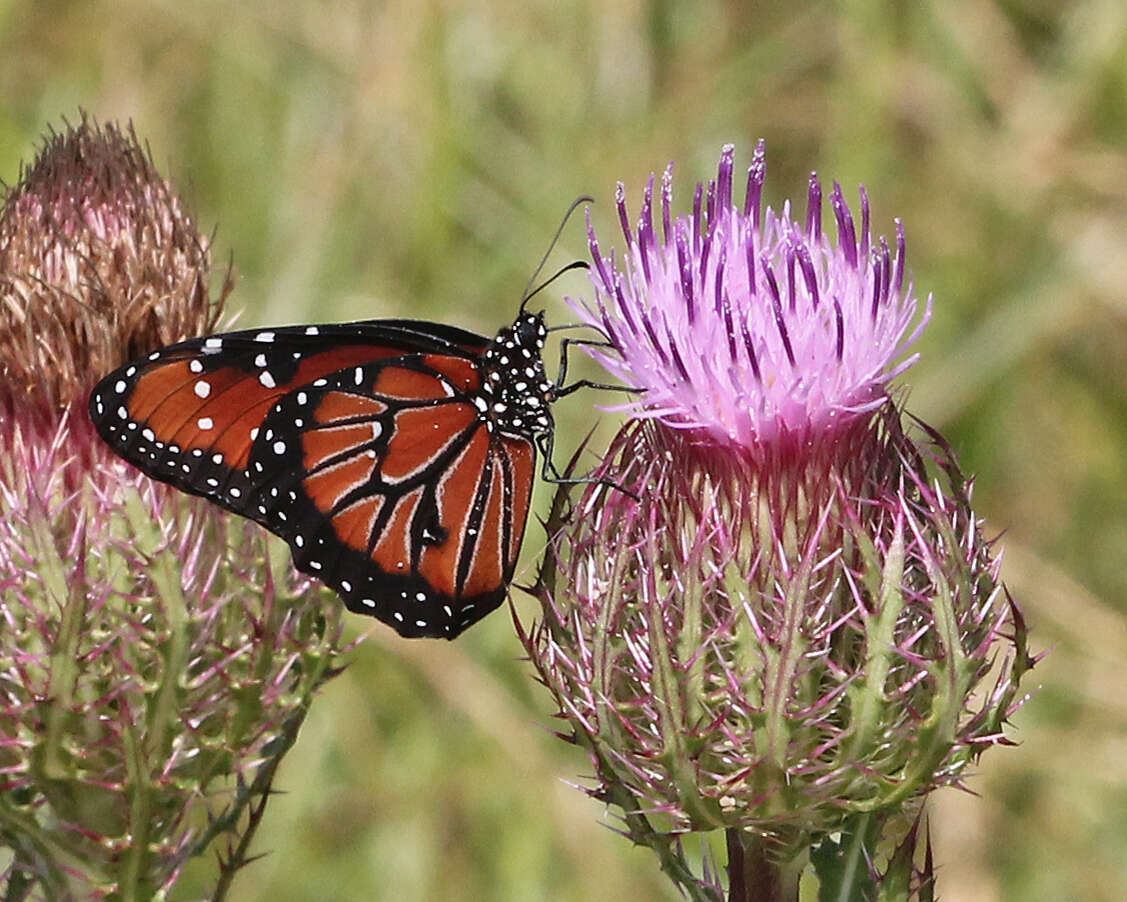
(396, 457)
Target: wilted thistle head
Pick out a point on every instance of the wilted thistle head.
(99, 262)
(797, 616)
(154, 657)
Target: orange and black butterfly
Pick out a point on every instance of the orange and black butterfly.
(395, 457)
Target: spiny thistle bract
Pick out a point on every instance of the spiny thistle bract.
(789, 617)
(156, 657)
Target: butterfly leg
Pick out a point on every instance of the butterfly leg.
(549, 473)
(561, 389)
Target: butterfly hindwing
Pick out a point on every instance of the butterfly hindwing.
(403, 497)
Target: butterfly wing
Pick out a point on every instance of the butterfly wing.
(359, 444)
(188, 414)
(392, 489)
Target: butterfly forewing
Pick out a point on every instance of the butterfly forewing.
(366, 446)
(189, 413)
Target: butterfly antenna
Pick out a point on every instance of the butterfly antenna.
(528, 290)
(578, 264)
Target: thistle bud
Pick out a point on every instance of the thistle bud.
(786, 616)
(156, 658)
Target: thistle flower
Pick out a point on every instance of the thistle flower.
(789, 624)
(155, 659)
(99, 262)
(748, 326)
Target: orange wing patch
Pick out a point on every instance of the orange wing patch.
(522, 460)
(486, 573)
(456, 491)
(338, 405)
(393, 550)
(330, 486)
(324, 443)
(409, 385)
(421, 435)
(233, 442)
(324, 363)
(462, 374)
(355, 524)
(192, 410)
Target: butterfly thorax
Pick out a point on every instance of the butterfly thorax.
(515, 388)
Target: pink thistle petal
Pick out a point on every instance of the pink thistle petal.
(743, 326)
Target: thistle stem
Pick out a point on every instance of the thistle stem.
(20, 883)
(754, 875)
(854, 869)
(253, 799)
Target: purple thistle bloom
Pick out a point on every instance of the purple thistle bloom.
(788, 620)
(746, 325)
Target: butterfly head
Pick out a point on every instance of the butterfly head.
(516, 389)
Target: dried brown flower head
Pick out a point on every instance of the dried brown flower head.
(100, 262)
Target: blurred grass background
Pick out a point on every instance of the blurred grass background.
(404, 158)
